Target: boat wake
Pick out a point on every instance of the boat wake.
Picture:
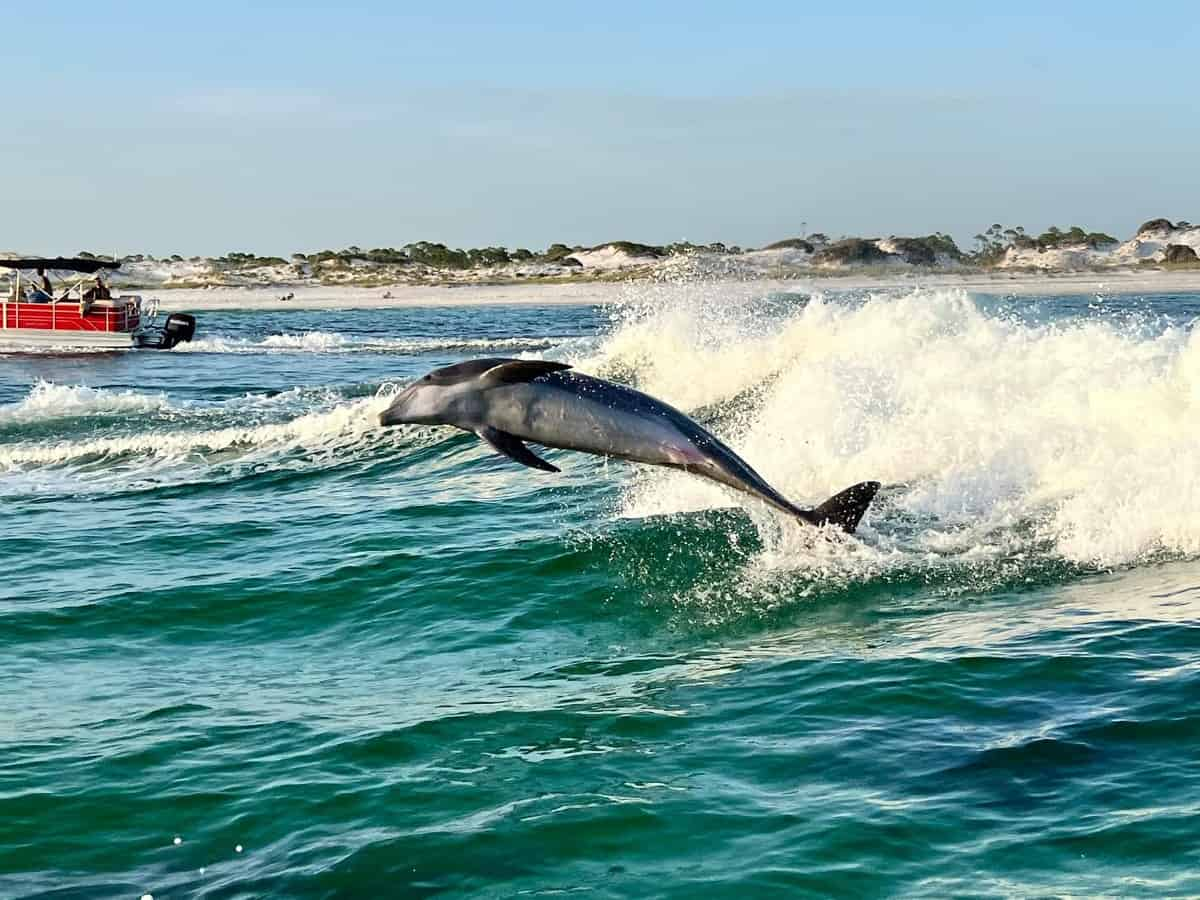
(335, 342)
(48, 401)
(154, 442)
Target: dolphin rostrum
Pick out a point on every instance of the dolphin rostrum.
(509, 401)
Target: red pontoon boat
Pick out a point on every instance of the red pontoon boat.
(83, 313)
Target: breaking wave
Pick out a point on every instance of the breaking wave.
(995, 437)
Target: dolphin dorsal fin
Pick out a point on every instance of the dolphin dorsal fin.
(518, 370)
(514, 448)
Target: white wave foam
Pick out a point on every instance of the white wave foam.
(994, 438)
(47, 401)
(308, 341)
(321, 431)
(333, 342)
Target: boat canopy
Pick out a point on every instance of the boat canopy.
(61, 263)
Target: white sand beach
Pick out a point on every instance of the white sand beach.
(349, 297)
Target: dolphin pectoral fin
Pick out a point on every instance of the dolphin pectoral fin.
(514, 448)
(519, 370)
(846, 508)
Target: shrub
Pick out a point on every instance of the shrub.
(250, 260)
(555, 252)
(387, 255)
(1156, 225)
(791, 244)
(1075, 236)
(915, 251)
(438, 256)
(852, 250)
(488, 256)
(1179, 254)
(632, 248)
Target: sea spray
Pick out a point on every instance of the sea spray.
(993, 435)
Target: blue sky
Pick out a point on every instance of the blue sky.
(278, 127)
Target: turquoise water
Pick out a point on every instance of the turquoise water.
(253, 645)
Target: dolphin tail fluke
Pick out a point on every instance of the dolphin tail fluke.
(845, 509)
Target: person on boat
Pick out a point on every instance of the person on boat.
(44, 293)
(98, 291)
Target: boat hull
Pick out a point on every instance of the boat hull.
(27, 338)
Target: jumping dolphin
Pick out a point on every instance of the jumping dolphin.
(509, 401)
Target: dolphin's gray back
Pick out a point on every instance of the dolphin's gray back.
(571, 411)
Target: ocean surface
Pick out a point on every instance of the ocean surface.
(253, 645)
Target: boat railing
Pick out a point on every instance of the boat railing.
(115, 314)
(76, 289)
(120, 314)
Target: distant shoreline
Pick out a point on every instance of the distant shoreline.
(601, 292)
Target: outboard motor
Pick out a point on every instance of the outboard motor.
(178, 327)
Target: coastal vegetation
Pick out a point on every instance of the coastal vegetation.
(792, 244)
(994, 244)
(1180, 255)
(851, 250)
(1158, 241)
